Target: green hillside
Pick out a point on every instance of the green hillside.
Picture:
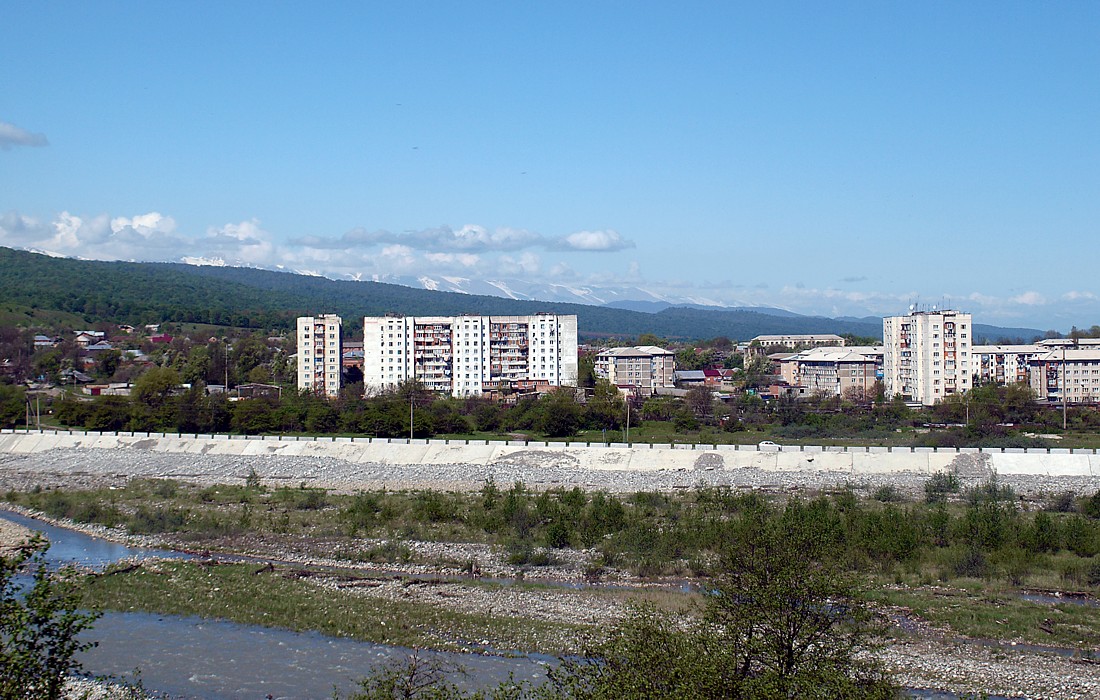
(139, 293)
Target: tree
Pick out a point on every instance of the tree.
(155, 386)
(586, 371)
(793, 612)
(13, 401)
(39, 627)
(560, 416)
(700, 400)
(606, 408)
(108, 363)
(783, 620)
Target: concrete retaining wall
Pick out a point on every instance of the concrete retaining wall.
(642, 457)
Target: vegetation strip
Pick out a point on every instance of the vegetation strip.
(288, 598)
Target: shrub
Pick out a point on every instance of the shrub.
(939, 485)
(39, 627)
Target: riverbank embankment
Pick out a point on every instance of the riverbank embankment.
(88, 459)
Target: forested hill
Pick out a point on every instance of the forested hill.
(138, 293)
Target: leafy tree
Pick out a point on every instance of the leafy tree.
(586, 371)
(108, 363)
(559, 414)
(606, 408)
(13, 401)
(39, 627)
(155, 386)
(700, 401)
(793, 612)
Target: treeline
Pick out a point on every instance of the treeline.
(992, 417)
(980, 532)
(139, 293)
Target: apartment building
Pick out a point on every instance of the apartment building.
(642, 369)
(320, 354)
(1004, 364)
(833, 371)
(1066, 371)
(469, 355)
(926, 355)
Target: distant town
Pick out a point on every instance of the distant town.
(924, 358)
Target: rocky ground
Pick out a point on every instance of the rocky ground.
(921, 657)
(12, 536)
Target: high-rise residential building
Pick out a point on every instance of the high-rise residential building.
(320, 354)
(642, 369)
(927, 355)
(470, 355)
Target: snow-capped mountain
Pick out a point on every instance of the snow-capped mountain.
(567, 293)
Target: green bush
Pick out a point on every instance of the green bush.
(39, 627)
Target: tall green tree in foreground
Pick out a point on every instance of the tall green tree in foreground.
(39, 627)
(783, 619)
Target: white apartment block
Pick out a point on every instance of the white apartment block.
(833, 371)
(643, 369)
(1003, 364)
(1072, 372)
(319, 354)
(927, 355)
(469, 355)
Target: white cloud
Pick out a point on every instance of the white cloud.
(145, 225)
(461, 259)
(12, 135)
(594, 241)
(1029, 299)
(245, 242)
(19, 230)
(470, 238)
(1079, 296)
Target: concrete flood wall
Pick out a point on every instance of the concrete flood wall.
(616, 456)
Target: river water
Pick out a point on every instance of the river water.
(196, 658)
(188, 657)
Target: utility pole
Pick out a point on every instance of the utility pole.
(411, 395)
(1064, 397)
(628, 419)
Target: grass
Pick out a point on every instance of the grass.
(287, 599)
(992, 614)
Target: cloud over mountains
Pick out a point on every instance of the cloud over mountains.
(511, 262)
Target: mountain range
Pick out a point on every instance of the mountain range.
(133, 292)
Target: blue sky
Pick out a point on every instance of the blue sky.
(833, 158)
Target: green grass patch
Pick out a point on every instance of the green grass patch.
(286, 599)
(1000, 615)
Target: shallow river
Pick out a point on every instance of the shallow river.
(190, 657)
(187, 657)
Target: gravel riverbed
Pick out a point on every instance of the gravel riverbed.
(928, 659)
